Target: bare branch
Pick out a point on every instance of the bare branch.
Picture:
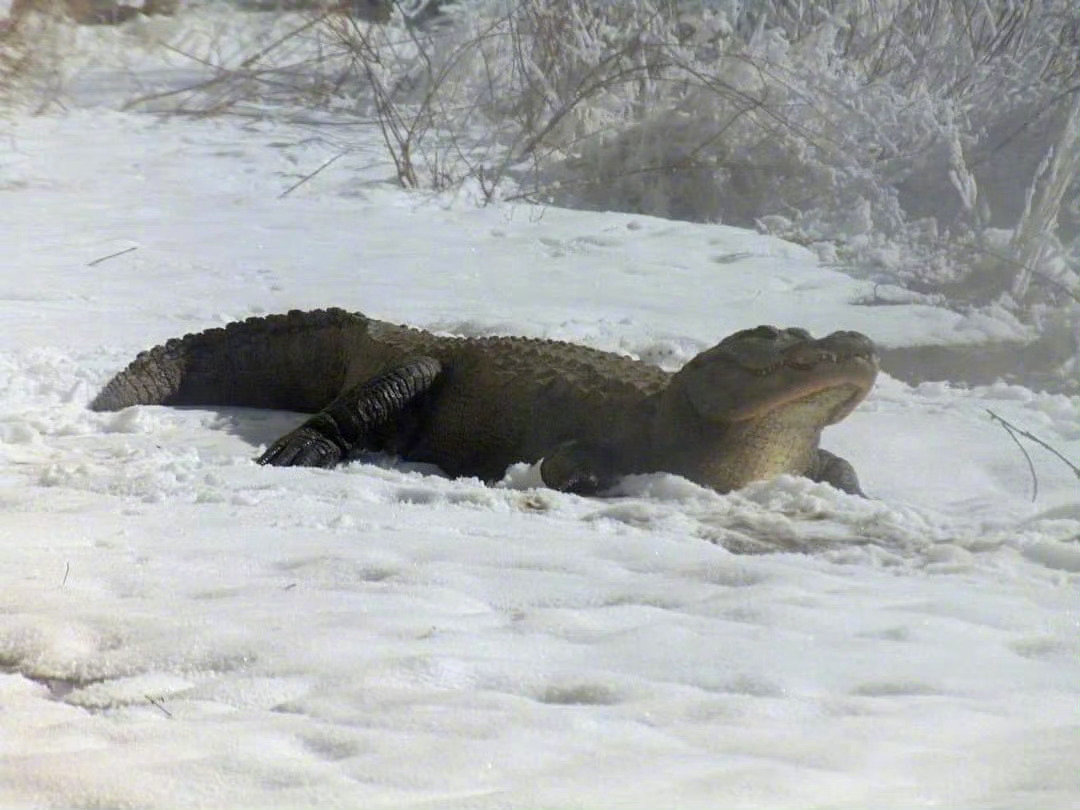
(157, 704)
(1031, 467)
(112, 256)
(307, 177)
(1014, 431)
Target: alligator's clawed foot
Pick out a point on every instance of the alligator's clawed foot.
(583, 468)
(303, 447)
(838, 472)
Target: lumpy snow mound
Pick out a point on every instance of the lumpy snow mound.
(182, 628)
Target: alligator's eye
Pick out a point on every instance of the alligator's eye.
(799, 333)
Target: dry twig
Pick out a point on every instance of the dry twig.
(112, 256)
(307, 177)
(1013, 432)
(157, 704)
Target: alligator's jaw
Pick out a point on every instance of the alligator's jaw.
(823, 393)
(784, 440)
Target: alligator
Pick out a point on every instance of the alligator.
(750, 408)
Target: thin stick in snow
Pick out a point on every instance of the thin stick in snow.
(1031, 467)
(307, 177)
(112, 256)
(156, 703)
(1013, 431)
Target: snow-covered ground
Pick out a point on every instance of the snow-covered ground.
(180, 627)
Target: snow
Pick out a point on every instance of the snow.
(180, 627)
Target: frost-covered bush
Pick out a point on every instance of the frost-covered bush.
(901, 136)
(13, 58)
(931, 143)
(32, 45)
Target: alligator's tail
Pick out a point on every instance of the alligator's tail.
(292, 362)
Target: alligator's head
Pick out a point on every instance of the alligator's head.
(754, 406)
(762, 370)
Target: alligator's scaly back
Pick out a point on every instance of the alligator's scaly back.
(293, 362)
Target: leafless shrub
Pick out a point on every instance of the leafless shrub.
(14, 57)
(94, 12)
(32, 44)
(930, 142)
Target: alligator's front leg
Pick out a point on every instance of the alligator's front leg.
(829, 468)
(580, 467)
(350, 421)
